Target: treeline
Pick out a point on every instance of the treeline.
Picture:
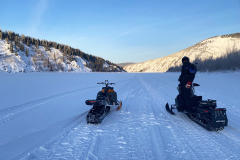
(231, 62)
(94, 62)
(235, 35)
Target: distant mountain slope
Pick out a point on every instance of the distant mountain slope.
(125, 64)
(27, 54)
(210, 48)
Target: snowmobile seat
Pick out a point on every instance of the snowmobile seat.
(197, 98)
(207, 103)
(111, 93)
(101, 96)
(108, 88)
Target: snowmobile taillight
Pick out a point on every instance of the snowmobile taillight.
(205, 111)
(217, 109)
(92, 101)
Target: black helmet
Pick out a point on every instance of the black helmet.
(185, 58)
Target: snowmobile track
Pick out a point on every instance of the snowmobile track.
(12, 113)
(57, 138)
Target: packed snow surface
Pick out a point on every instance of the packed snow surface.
(43, 116)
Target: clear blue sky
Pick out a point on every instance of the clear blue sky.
(122, 30)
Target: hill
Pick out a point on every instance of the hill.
(214, 48)
(125, 64)
(27, 54)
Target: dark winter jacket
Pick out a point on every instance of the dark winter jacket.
(187, 73)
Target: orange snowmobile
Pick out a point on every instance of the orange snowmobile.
(106, 98)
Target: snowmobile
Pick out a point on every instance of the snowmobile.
(106, 98)
(203, 112)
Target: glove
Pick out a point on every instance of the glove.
(188, 85)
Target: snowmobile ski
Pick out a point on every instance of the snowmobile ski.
(119, 106)
(169, 109)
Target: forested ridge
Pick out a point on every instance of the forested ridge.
(17, 42)
(218, 53)
(229, 61)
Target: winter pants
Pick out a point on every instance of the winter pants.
(186, 95)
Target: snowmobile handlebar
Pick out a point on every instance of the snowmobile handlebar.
(106, 83)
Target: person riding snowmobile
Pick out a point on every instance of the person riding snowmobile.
(203, 112)
(186, 79)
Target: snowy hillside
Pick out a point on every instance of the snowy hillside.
(38, 60)
(210, 48)
(48, 121)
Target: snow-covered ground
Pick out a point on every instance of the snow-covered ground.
(43, 116)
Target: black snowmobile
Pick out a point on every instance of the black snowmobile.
(203, 112)
(106, 98)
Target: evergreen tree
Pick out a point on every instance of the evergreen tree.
(28, 43)
(7, 40)
(45, 46)
(48, 63)
(11, 47)
(54, 57)
(1, 36)
(27, 52)
(23, 38)
(10, 35)
(36, 44)
(16, 40)
(63, 58)
(22, 47)
(16, 53)
(42, 42)
(72, 56)
(59, 48)
(55, 45)
(32, 41)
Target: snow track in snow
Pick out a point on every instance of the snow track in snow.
(14, 112)
(57, 137)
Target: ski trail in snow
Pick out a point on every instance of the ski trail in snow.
(55, 138)
(12, 113)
